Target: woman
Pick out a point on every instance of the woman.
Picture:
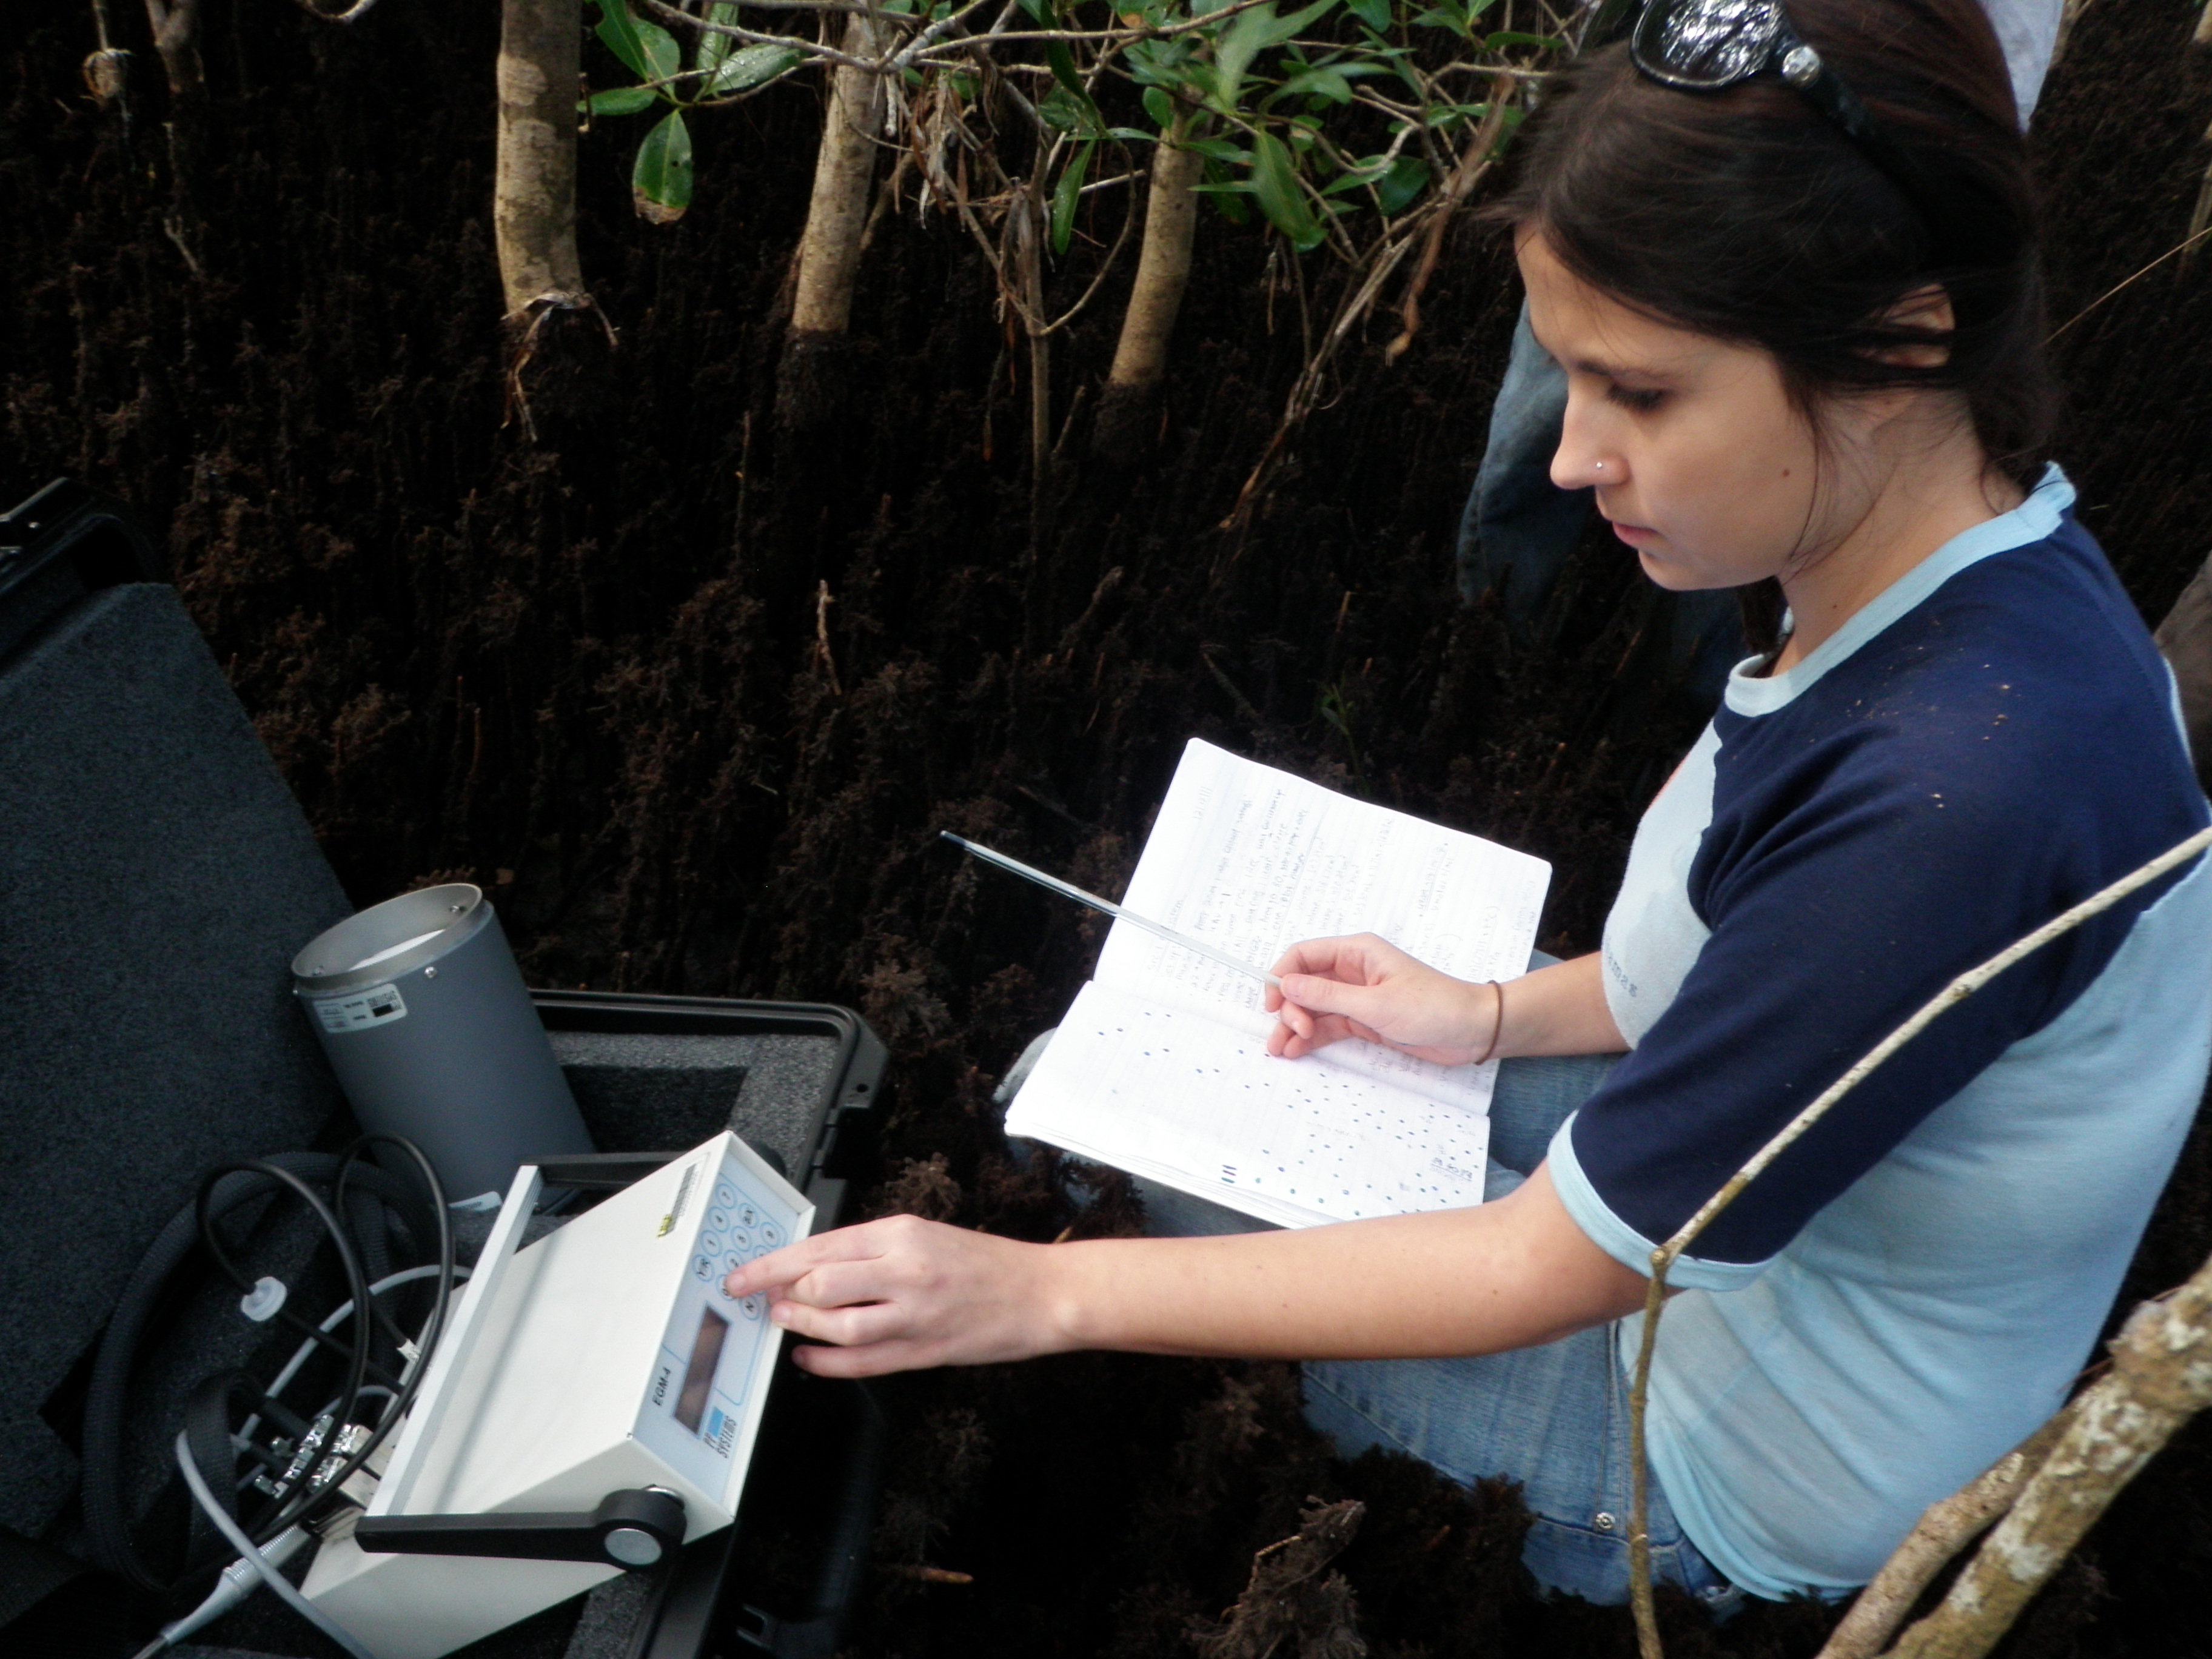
(1787, 265)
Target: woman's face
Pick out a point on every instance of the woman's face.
(1700, 460)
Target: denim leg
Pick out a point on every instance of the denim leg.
(1533, 1098)
(1518, 526)
(1555, 1420)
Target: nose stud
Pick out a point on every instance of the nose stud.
(1597, 466)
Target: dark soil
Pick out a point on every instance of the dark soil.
(690, 684)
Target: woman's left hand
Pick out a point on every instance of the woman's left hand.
(1365, 986)
(903, 1292)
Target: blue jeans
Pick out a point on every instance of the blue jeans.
(1553, 1419)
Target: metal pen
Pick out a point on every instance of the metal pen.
(1068, 890)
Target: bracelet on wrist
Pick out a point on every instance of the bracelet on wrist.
(1496, 1025)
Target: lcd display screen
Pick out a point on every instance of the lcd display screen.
(698, 1375)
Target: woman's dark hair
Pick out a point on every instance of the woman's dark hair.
(1748, 215)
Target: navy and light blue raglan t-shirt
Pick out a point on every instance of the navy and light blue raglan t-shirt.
(1911, 1287)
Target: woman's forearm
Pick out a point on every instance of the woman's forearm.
(901, 1292)
(1502, 1275)
(1558, 1010)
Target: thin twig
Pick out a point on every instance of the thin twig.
(1473, 164)
(822, 604)
(1304, 393)
(2182, 246)
(1105, 266)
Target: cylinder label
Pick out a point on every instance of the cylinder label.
(380, 1006)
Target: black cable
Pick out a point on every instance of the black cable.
(347, 1161)
(107, 1527)
(329, 1490)
(357, 1280)
(221, 1191)
(211, 1450)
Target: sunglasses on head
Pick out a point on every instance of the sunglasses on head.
(1708, 45)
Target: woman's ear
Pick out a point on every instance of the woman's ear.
(1925, 312)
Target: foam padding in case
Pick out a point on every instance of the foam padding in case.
(155, 877)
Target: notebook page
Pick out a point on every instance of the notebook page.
(1179, 1098)
(1253, 859)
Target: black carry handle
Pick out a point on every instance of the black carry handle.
(844, 1556)
(637, 1528)
(62, 543)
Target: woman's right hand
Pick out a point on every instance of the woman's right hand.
(1365, 986)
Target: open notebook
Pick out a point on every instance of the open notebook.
(1160, 1067)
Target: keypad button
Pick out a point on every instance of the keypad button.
(771, 1235)
(753, 1306)
(718, 1218)
(710, 1243)
(724, 1193)
(702, 1267)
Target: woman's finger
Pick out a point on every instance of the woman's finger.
(778, 1268)
(840, 1284)
(1340, 958)
(1316, 996)
(847, 1328)
(880, 1360)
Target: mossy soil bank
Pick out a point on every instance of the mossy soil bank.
(688, 678)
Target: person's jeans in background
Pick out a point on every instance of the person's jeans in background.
(1519, 527)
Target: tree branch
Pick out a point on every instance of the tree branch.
(2161, 1377)
(1947, 1526)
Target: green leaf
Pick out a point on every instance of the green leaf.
(617, 29)
(1328, 82)
(1217, 149)
(1159, 106)
(1163, 64)
(1132, 135)
(1407, 177)
(1065, 113)
(660, 183)
(1375, 14)
(1065, 196)
(622, 100)
(1515, 38)
(647, 50)
(1252, 33)
(713, 48)
(1228, 197)
(1275, 186)
(1063, 71)
(752, 66)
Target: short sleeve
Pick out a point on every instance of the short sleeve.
(1900, 829)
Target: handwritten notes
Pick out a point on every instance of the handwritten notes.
(1254, 859)
(1178, 1098)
